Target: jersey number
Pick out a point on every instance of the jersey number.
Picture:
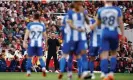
(109, 20)
(38, 33)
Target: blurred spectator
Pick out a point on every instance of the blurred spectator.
(2, 63)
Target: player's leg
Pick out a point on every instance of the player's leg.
(29, 65)
(65, 55)
(62, 65)
(91, 66)
(104, 56)
(42, 62)
(69, 64)
(93, 52)
(113, 61)
(82, 47)
(30, 52)
(104, 64)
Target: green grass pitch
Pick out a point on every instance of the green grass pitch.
(53, 76)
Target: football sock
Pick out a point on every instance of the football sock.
(62, 64)
(113, 63)
(69, 63)
(104, 66)
(42, 63)
(29, 64)
(91, 66)
(79, 63)
(84, 62)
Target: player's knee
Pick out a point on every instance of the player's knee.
(83, 52)
(104, 55)
(113, 53)
(78, 56)
(92, 58)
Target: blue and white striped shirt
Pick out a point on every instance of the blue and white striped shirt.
(78, 21)
(95, 35)
(36, 33)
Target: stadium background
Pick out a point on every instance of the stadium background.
(14, 15)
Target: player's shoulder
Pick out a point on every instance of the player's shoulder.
(30, 23)
(108, 8)
(117, 8)
(70, 12)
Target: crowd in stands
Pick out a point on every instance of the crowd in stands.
(14, 16)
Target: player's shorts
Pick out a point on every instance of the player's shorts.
(75, 46)
(109, 40)
(93, 51)
(35, 51)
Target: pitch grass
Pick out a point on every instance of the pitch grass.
(53, 76)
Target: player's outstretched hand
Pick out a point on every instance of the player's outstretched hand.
(25, 45)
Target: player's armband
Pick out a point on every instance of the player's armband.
(69, 21)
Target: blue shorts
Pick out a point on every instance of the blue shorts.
(35, 51)
(93, 51)
(109, 40)
(75, 46)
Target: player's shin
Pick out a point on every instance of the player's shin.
(69, 64)
(42, 63)
(29, 65)
(85, 62)
(91, 67)
(113, 63)
(43, 66)
(62, 66)
(79, 64)
(104, 63)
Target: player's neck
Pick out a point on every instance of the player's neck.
(36, 21)
(108, 5)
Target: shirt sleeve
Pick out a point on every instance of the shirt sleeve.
(98, 13)
(28, 26)
(44, 27)
(119, 12)
(70, 15)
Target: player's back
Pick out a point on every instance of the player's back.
(36, 34)
(109, 17)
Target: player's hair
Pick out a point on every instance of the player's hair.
(36, 16)
(72, 6)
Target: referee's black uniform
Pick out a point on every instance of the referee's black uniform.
(52, 43)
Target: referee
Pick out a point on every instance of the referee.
(53, 46)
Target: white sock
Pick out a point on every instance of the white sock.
(28, 72)
(43, 69)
